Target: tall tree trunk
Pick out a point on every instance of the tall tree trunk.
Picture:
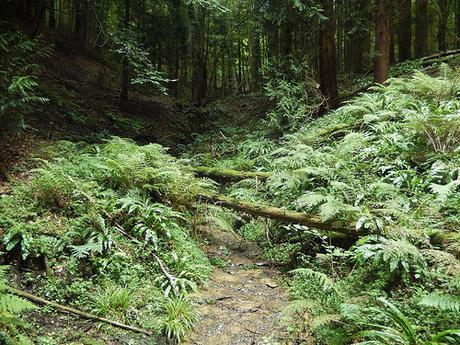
(229, 46)
(382, 42)
(38, 17)
(287, 31)
(457, 25)
(199, 72)
(272, 38)
(392, 52)
(421, 28)
(52, 15)
(327, 56)
(125, 74)
(254, 39)
(178, 46)
(340, 45)
(442, 24)
(360, 37)
(81, 23)
(404, 30)
(239, 72)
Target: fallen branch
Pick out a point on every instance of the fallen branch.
(70, 310)
(286, 216)
(222, 174)
(441, 54)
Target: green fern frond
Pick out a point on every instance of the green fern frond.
(442, 302)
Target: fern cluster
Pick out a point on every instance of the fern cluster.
(388, 162)
(11, 308)
(99, 214)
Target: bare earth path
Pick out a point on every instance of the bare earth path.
(242, 303)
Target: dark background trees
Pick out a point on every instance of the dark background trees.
(209, 49)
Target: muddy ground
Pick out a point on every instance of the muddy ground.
(243, 302)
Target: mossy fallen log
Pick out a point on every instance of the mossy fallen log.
(221, 174)
(287, 216)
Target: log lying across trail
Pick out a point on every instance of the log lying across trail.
(42, 301)
(286, 216)
(222, 174)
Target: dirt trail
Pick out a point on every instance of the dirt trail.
(242, 303)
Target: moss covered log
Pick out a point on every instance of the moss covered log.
(222, 174)
(287, 216)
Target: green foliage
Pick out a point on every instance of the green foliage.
(386, 161)
(179, 319)
(11, 309)
(399, 258)
(296, 98)
(19, 71)
(145, 73)
(441, 302)
(112, 301)
(402, 331)
(99, 213)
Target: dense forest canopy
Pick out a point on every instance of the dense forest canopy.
(226, 47)
(230, 172)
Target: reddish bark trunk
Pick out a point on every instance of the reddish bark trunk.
(327, 56)
(404, 29)
(421, 32)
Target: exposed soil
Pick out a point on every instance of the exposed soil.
(242, 303)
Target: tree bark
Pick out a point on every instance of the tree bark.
(382, 42)
(327, 56)
(405, 30)
(442, 24)
(199, 68)
(125, 74)
(457, 25)
(81, 22)
(421, 28)
(254, 39)
(52, 15)
(392, 52)
(38, 18)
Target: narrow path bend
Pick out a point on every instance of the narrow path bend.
(242, 302)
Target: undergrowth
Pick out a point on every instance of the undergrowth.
(94, 217)
(387, 161)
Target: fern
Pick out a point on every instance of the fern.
(441, 302)
(11, 308)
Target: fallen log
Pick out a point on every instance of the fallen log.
(222, 174)
(42, 301)
(440, 55)
(286, 216)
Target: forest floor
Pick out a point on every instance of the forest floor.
(244, 298)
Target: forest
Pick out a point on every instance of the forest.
(232, 172)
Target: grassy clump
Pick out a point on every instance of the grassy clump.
(76, 211)
(388, 161)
